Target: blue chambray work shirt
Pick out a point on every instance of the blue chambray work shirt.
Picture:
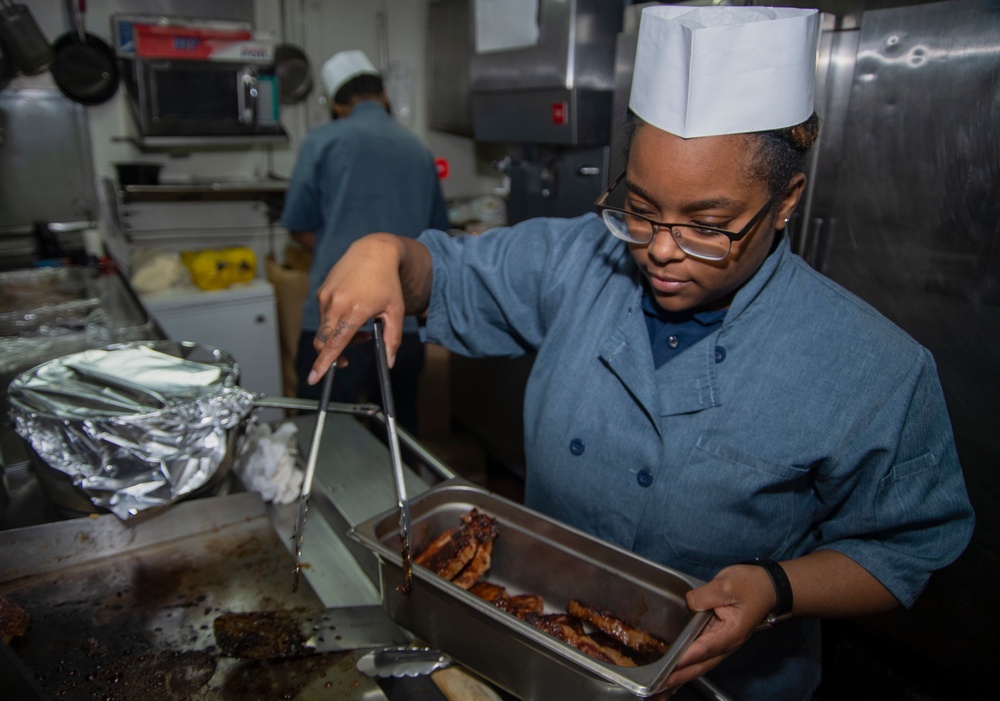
(806, 420)
(355, 176)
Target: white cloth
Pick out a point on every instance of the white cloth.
(725, 70)
(268, 463)
(342, 67)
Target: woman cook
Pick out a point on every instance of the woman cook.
(700, 395)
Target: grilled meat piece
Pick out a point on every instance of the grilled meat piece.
(449, 553)
(523, 605)
(570, 631)
(258, 636)
(627, 634)
(462, 554)
(487, 591)
(477, 566)
(520, 605)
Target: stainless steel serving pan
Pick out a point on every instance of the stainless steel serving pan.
(533, 554)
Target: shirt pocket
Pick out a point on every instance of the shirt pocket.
(729, 505)
(912, 502)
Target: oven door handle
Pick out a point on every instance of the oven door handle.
(246, 96)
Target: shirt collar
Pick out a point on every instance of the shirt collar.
(758, 281)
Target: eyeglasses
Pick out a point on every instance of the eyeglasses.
(707, 242)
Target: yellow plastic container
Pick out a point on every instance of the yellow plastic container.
(218, 268)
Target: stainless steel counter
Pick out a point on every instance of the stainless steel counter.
(353, 483)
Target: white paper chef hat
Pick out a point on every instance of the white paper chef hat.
(343, 66)
(723, 69)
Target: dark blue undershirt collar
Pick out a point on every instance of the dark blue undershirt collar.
(670, 333)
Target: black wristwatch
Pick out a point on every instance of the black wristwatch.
(782, 589)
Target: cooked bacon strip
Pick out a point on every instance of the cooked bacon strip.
(568, 630)
(628, 635)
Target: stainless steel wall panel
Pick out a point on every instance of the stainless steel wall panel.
(46, 172)
(625, 47)
(913, 229)
(834, 77)
(449, 50)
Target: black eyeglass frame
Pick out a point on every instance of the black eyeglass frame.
(656, 226)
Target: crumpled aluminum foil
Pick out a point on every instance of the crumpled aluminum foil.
(135, 425)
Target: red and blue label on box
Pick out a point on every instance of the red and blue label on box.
(200, 44)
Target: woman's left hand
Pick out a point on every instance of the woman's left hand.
(740, 597)
(826, 583)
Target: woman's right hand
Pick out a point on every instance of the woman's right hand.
(380, 276)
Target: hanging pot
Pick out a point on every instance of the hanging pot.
(85, 68)
(23, 41)
(291, 66)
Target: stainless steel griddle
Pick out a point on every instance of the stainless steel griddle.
(125, 612)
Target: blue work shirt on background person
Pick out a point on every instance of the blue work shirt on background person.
(356, 176)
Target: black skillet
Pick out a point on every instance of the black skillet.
(85, 68)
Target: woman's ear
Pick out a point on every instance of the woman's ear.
(793, 192)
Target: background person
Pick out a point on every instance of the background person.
(700, 395)
(361, 172)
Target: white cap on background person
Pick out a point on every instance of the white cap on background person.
(342, 67)
(707, 71)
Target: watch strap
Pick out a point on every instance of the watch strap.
(782, 590)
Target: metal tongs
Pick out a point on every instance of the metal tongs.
(388, 408)
(300, 521)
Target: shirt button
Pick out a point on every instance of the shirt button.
(720, 354)
(644, 478)
(576, 446)
(672, 341)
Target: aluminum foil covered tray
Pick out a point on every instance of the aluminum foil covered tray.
(538, 555)
(135, 425)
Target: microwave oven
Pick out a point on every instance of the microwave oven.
(198, 80)
(192, 98)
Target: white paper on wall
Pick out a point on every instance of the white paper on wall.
(505, 24)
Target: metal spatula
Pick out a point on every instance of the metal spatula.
(389, 409)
